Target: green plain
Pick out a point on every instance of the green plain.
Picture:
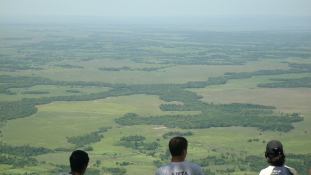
(53, 122)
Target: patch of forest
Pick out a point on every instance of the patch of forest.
(169, 135)
(216, 116)
(24, 151)
(88, 138)
(137, 142)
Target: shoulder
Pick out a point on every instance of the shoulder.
(197, 168)
(192, 164)
(179, 168)
(292, 170)
(180, 164)
(163, 169)
(266, 171)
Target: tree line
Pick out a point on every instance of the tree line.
(216, 116)
(288, 83)
(68, 66)
(126, 68)
(35, 92)
(169, 135)
(24, 151)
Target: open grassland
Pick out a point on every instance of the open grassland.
(59, 120)
(53, 122)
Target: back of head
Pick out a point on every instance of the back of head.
(274, 153)
(177, 145)
(78, 160)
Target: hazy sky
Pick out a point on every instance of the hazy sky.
(155, 7)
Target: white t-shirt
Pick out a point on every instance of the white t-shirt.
(278, 170)
(180, 168)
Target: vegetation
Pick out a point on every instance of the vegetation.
(177, 133)
(265, 72)
(126, 68)
(114, 171)
(67, 66)
(72, 91)
(118, 55)
(133, 138)
(86, 139)
(136, 142)
(288, 83)
(24, 151)
(35, 92)
(214, 116)
(18, 162)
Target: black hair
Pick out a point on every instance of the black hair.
(177, 145)
(78, 161)
(276, 157)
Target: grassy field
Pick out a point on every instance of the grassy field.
(53, 122)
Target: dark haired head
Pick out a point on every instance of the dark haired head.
(78, 161)
(274, 153)
(177, 145)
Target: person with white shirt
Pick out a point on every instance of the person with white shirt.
(178, 166)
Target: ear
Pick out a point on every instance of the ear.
(184, 152)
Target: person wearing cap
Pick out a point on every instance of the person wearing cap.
(276, 158)
(178, 166)
(78, 162)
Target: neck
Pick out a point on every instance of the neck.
(178, 159)
(79, 173)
